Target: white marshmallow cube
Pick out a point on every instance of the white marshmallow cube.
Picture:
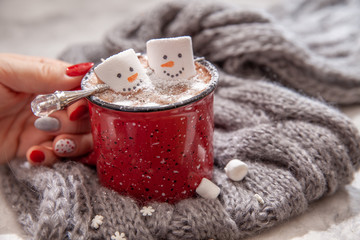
(171, 58)
(123, 72)
(207, 189)
(236, 170)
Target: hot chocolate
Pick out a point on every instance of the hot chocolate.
(154, 91)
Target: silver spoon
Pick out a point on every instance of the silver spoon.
(44, 105)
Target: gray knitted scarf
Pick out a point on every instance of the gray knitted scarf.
(278, 73)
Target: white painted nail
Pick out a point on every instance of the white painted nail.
(48, 124)
(236, 170)
(207, 189)
(64, 146)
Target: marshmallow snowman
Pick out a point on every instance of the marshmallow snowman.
(123, 72)
(171, 58)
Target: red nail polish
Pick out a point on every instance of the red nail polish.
(79, 69)
(78, 113)
(37, 156)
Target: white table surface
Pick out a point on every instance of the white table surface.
(44, 28)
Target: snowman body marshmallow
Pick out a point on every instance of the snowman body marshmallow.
(171, 58)
(123, 72)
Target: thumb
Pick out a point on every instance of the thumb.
(37, 75)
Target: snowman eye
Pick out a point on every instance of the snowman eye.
(131, 69)
(119, 75)
(179, 55)
(165, 57)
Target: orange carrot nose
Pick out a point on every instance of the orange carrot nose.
(133, 77)
(168, 64)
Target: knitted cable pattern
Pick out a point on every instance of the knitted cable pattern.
(285, 47)
(298, 148)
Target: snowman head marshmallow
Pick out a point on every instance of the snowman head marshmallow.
(171, 58)
(123, 72)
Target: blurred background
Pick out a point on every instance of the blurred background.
(45, 28)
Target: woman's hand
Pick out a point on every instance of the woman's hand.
(65, 133)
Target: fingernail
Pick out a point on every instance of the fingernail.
(47, 124)
(64, 146)
(37, 156)
(79, 69)
(78, 113)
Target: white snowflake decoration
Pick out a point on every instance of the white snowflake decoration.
(147, 211)
(118, 236)
(97, 221)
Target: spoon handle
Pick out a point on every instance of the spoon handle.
(44, 105)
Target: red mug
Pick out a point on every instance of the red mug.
(156, 153)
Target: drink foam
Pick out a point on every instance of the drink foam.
(155, 91)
